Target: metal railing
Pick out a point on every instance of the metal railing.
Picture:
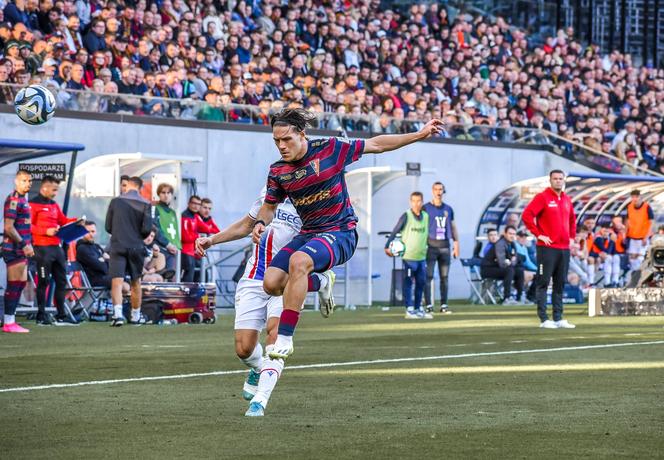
(371, 124)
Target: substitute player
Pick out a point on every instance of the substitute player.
(254, 308)
(311, 174)
(16, 248)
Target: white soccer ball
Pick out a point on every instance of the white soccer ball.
(34, 104)
(397, 248)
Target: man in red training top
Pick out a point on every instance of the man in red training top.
(550, 217)
(206, 215)
(47, 218)
(192, 226)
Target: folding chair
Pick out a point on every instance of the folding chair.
(82, 295)
(482, 290)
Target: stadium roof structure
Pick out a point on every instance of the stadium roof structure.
(594, 195)
(12, 150)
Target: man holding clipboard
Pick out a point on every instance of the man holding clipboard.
(47, 220)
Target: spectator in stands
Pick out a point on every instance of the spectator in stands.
(47, 218)
(128, 221)
(502, 262)
(94, 260)
(192, 227)
(482, 70)
(414, 228)
(639, 228)
(166, 222)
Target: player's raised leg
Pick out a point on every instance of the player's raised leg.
(299, 267)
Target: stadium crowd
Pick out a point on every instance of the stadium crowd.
(350, 58)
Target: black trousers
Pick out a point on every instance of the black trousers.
(440, 256)
(509, 275)
(189, 264)
(551, 263)
(51, 264)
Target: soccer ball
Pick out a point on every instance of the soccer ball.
(34, 104)
(397, 248)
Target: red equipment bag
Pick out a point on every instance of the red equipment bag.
(185, 302)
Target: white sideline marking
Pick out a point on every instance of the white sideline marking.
(487, 343)
(324, 365)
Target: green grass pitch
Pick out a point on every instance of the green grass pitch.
(470, 402)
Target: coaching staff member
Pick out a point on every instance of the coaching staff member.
(550, 217)
(47, 218)
(128, 220)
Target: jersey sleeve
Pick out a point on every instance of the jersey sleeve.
(275, 193)
(11, 207)
(349, 151)
(253, 212)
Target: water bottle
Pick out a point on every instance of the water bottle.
(168, 322)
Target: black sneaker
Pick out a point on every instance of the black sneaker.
(45, 320)
(65, 321)
(117, 322)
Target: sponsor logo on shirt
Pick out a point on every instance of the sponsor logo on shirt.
(300, 173)
(285, 177)
(553, 204)
(310, 199)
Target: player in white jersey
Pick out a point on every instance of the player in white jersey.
(256, 310)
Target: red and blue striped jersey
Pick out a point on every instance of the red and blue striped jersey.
(316, 186)
(17, 208)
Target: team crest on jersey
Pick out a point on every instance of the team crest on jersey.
(315, 164)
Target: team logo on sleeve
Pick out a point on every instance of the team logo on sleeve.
(13, 204)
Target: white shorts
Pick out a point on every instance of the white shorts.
(253, 306)
(637, 247)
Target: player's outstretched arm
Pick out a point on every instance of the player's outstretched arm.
(388, 142)
(263, 219)
(233, 232)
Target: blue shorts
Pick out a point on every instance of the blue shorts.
(14, 257)
(327, 249)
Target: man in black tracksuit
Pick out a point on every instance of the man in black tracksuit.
(502, 262)
(94, 260)
(129, 221)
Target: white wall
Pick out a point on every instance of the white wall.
(235, 165)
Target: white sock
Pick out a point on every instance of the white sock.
(255, 360)
(135, 314)
(270, 373)
(615, 279)
(591, 273)
(323, 279)
(117, 311)
(635, 264)
(284, 340)
(10, 319)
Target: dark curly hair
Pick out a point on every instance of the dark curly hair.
(300, 119)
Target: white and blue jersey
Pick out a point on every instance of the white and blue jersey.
(283, 228)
